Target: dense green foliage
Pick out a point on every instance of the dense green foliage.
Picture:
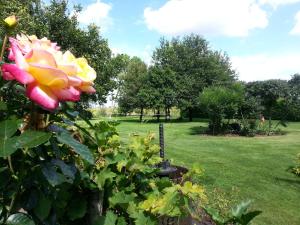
(236, 168)
(221, 103)
(181, 69)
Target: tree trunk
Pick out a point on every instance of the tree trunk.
(141, 114)
(166, 114)
(158, 115)
(169, 114)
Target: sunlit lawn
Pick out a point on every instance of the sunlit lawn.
(255, 167)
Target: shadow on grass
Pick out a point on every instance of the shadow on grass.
(295, 181)
(198, 130)
(154, 121)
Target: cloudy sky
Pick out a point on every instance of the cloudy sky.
(262, 37)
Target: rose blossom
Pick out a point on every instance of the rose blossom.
(50, 75)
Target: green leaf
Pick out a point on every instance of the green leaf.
(121, 221)
(109, 219)
(3, 106)
(19, 219)
(121, 198)
(43, 207)
(77, 208)
(8, 128)
(79, 148)
(8, 146)
(144, 220)
(241, 209)
(249, 216)
(103, 176)
(68, 170)
(31, 139)
(52, 176)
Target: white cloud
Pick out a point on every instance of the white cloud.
(266, 66)
(216, 17)
(97, 13)
(276, 3)
(296, 28)
(145, 54)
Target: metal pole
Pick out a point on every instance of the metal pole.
(161, 141)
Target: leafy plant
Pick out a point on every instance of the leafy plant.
(240, 215)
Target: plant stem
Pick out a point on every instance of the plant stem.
(10, 165)
(3, 47)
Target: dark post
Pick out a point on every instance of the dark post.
(161, 141)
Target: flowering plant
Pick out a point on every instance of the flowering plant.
(49, 74)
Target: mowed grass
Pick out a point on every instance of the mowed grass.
(256, 167)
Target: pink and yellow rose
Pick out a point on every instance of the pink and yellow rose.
(49, 74)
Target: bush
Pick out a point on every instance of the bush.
(221, 103)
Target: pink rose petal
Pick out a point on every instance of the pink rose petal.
(20, 75)
(67, 94)
(42, 95)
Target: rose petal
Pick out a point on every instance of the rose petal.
(20, 75)
(42, 95)
(19, 58)
(68, 69)
(75, 81)
(87, 89)
(42, 57)
(48, 76)
(67, 94)
(7, 76)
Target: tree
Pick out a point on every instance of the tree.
(132, 82)
(162, 82)
(220, 103)
(294, 100)
(195, 66)
(271, 94)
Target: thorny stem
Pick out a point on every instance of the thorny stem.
(3, 47)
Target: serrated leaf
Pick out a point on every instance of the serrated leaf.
(19, 219)
(31, 139)
(121, 197)
(77, 208)
(43, 207)
(103, 176)
(79, 148)
(109, 219)
(144, 220)
(121, 221)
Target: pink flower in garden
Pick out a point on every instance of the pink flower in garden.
(50, 75)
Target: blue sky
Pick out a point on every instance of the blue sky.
(262, 37)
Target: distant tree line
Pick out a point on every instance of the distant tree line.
(200, 82)
(181, 69)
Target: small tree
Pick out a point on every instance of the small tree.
(271, 94)
(220, 103)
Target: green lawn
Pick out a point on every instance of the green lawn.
(254, 167)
